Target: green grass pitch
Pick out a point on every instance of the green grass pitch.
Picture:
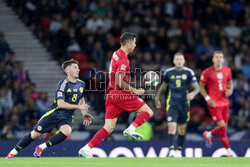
(125, 162)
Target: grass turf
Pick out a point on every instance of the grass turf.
(124, 162)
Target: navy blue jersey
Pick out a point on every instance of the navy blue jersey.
(70, 93)
(178, 82)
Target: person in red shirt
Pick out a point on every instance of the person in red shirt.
(120, 96)
(218, 79)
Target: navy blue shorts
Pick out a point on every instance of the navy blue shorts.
(50, 121)
(178, 112)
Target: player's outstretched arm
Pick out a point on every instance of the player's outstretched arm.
(191, 95)
(62, 104)
(122, 84)
(87, 118)
(203, 91)
(160, 94)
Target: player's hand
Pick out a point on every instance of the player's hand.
(228, 92)
(190, 96)
(87, 119)
(158, 103)
(211, 103)
(84, 107)
(139, 91)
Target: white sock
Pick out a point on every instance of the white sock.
(14, 151)
(131, 127)
(43, 146)
(209, 134)
(86, 147)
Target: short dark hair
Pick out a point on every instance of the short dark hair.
(126, 37)
(178, 54)
(68, 63)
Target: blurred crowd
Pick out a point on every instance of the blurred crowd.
(90, 31)
(20, 105)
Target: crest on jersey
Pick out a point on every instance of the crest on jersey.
(59, 94)
(39, 128)
(219, 75)
(169, 118)
(69, 90)
(172, 77)
(123, 67)
(184, 76)
(81, 89)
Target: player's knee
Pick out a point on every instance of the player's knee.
(221, 124)
(171, 129)
(66, 131)
(35, 135)
(181, 131)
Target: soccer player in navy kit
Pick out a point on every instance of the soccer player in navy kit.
(177, 79)
(68, 97)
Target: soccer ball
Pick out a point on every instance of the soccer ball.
(151, 78)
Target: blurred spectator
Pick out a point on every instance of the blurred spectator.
(42, 103)
(4, 47)
(22, 75)
(34, 94)
(233, 32)
(94, 22)
(246, 67)
(56, 24)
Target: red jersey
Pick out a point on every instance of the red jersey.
(216, 82)
(119, 63)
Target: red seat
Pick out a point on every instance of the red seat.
(45, 23)
(80, 57)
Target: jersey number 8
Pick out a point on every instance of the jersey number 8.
(74, 97)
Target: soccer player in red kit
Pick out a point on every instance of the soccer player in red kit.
(218, 79)
(120, 97)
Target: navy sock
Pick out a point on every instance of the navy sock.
(181, 140)
(171, 138)
(56, 139)
(24, 142)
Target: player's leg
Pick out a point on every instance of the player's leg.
(216, 117)
(181, 138)
(223, 130)
(24, 142)
(144, 114)
(100, 136)
(172, 127)
(64, 132)
(172, 119)
(184, 117)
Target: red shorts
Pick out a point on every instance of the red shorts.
(219, 113)
(119, 101)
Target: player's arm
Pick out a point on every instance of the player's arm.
(229, 89)
(203, 91)
(122, 84)
(160, 94)
(191, 95)
(87, 118)
(62, 104)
